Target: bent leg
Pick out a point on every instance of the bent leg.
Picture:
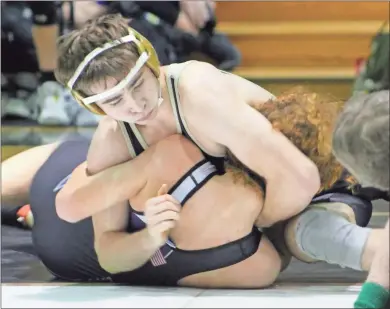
(66, 249)
(275, 234)
(328, 232)
(17, 174)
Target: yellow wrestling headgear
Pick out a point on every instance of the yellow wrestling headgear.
(147, 55)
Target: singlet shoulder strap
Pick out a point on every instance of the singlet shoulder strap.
(172, 79)
(134, 144)
(173, 73)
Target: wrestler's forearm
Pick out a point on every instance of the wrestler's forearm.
(84, 196)
(119, 252)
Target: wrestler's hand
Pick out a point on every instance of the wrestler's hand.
(161, 213)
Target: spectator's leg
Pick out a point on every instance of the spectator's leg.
(45, 32)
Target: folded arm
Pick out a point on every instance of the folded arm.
(108, 178)
(292, 179)
(117, 250)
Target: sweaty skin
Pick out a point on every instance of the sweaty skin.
(231, 204)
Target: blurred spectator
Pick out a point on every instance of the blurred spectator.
(361, 144)
(35, 46)
(30, 30)
(374, 73)
(18, 59)
(54, 101)
(196, 18)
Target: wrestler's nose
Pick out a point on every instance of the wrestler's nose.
(136, 106)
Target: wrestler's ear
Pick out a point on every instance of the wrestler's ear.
(163, 190)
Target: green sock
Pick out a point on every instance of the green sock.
(372, 295)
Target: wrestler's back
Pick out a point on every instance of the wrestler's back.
(220, 212)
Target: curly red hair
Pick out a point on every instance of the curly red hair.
(307, 120)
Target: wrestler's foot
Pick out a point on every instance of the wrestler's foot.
(25, 217)
(20, 216)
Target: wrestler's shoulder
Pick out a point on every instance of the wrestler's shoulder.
(198, 74)
(202, 82)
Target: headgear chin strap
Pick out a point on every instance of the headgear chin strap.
(147, 55)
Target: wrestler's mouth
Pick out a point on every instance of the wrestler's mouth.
(146, 116)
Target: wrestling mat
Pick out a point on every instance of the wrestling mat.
(27, 284)
(78, 296)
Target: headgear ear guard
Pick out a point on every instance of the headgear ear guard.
(147, 55)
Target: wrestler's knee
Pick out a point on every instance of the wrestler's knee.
(332, 229)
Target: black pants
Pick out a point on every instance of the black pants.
(66, 249)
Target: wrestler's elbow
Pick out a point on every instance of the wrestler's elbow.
(106, 262)
(283, 201)
(302, 191)
(110, 265)
(104, 254)
(67, 207)
(109, 256)
(309, 181)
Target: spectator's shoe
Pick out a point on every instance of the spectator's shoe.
(79, 115)
(26, 80)
(16, 92)
(14, 105)
(85, 118)
(52, 105)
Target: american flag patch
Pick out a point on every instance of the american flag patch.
(158, 259)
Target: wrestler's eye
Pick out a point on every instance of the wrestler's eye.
(139, 84)
(116, 102)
